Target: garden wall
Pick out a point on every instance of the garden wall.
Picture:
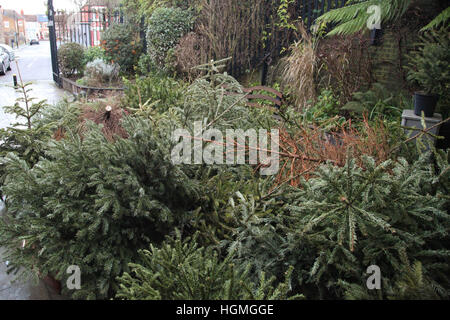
(389, 58)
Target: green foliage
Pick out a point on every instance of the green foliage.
(218, 100)
(375, 103)
(122, 46)
(284, 16)
(384, 208)
(181, 270)
(165, 28)
(113, 208)
(354, 16)
(135, 9)
(60, 115)
(219, 219)
(428, 64)
(71, 58)
(93, 53)
(24, 137)
(145, 65)
(94, 203)
(441, 19)
(412, 285)
(347, 219)
(326, 108)
(155, 92)
(442, 179)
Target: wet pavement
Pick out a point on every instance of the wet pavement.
(34, 64)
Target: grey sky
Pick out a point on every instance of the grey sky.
(35, 6)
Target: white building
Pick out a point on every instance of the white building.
(32, 27)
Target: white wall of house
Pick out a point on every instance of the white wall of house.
(32, 30)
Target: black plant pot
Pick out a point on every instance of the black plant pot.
(425, 103)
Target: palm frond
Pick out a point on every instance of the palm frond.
(353, 17)
(442, 18)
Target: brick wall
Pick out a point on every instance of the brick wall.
(2, 36)
(389, 58)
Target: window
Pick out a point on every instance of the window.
(7, 24)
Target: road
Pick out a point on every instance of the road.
(34, 63)
(35, 66)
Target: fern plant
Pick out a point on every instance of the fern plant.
(441, 19)
(354, 16)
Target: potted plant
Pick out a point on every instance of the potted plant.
(428, 67)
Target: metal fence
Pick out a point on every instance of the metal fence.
(307, 10)
(85, 26)
(310, 10)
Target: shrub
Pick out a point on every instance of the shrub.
(93, 53)
(157, 90)
(344, 64)
(181, 270)
(122, 46)
(377, 102)
(411, 285)
(325, 108)
(189, 53)
(71, 59)
(98, 72)
(165, 28)
(145, 65)
(93, 203)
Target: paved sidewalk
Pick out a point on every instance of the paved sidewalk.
(43, 89)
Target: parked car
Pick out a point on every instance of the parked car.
(5, 64)
(9, 50)
(34, 41)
